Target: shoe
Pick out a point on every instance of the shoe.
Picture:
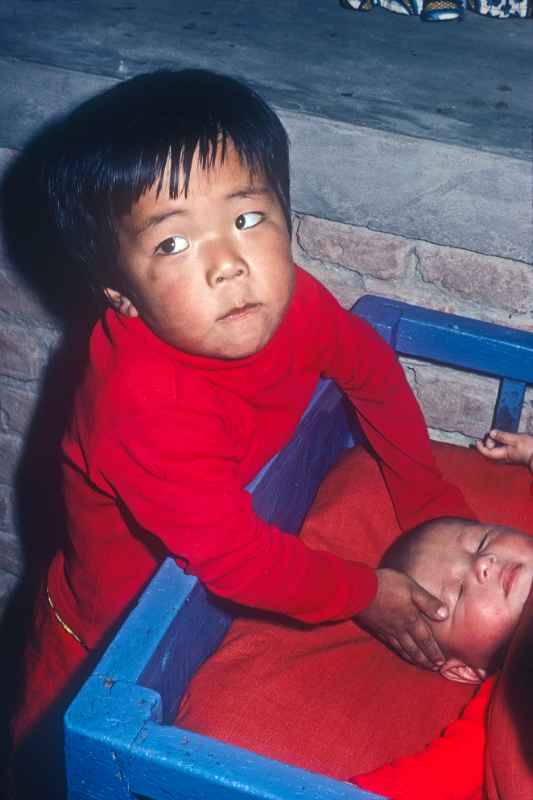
(411, 7)
(500, 9)
(442, 11)
(358, 5)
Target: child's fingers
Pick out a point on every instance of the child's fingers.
(502, 437)
(493, 452)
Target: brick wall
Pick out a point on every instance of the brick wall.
(351, 261)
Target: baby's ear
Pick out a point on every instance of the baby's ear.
(456, 670)
(121, 303)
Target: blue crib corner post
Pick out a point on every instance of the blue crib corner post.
(97, 765)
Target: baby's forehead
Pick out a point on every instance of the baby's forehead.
(450, 532)
(456, 536)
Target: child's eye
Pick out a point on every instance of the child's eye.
(482, 543)
(172, 245)
(248, 220)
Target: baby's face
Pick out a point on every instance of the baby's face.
(210, 273)
(484, 574)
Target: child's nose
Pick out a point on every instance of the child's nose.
(484, 566)
(224, 265)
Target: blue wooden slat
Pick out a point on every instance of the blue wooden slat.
(449, 339)
(180, 765)
(133, 756)
(168, 596)
(284, 492)
(508, 405)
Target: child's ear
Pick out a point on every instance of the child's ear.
(121, 303)
(456, 670)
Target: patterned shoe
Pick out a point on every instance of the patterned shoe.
(358, 5)
(411, 7)
(442, 10)
(501, 9)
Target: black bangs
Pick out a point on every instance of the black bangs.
(118, 145)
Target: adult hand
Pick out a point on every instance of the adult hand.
(510, 448)
(399, 615)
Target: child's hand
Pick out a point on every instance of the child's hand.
(397, 617)
(509, 448)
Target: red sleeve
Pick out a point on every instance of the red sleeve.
(368, 371)
(450, 768)
(185, 490)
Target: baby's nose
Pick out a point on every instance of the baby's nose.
(484, 567)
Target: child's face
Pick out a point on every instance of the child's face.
(210, 273)
(484, 574)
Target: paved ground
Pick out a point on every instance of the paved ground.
(415, 128)
(467, 83)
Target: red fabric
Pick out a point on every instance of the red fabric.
(450, 768)
(490, 746)
(332, 699)
(162, 443)
(509, 758)
(61, 657)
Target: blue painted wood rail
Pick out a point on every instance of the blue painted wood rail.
(118, 737)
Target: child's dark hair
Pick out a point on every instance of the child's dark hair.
(117, 145)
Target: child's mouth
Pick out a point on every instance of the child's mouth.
(238, 312)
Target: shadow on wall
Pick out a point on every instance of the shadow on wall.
(35, 253)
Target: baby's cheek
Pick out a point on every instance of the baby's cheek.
(492, 629)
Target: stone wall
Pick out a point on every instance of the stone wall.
(351, 261)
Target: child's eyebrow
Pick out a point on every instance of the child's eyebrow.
(248, 191)
(157, 219)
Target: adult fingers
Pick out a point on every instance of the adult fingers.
(428, 604)
(410, 650)
(422, 635)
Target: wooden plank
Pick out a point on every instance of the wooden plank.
(509, 405)
(284, 490)
(179, 765)
(133, 756)
(460, 342)
(169, 634)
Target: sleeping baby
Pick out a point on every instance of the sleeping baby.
(484, 573)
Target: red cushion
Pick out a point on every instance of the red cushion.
(331, 698)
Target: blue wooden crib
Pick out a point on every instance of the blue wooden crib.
(118, 737)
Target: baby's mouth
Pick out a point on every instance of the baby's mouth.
(508, 577)
(237, 312)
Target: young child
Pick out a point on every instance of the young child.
(170, 194)
(484, 574)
